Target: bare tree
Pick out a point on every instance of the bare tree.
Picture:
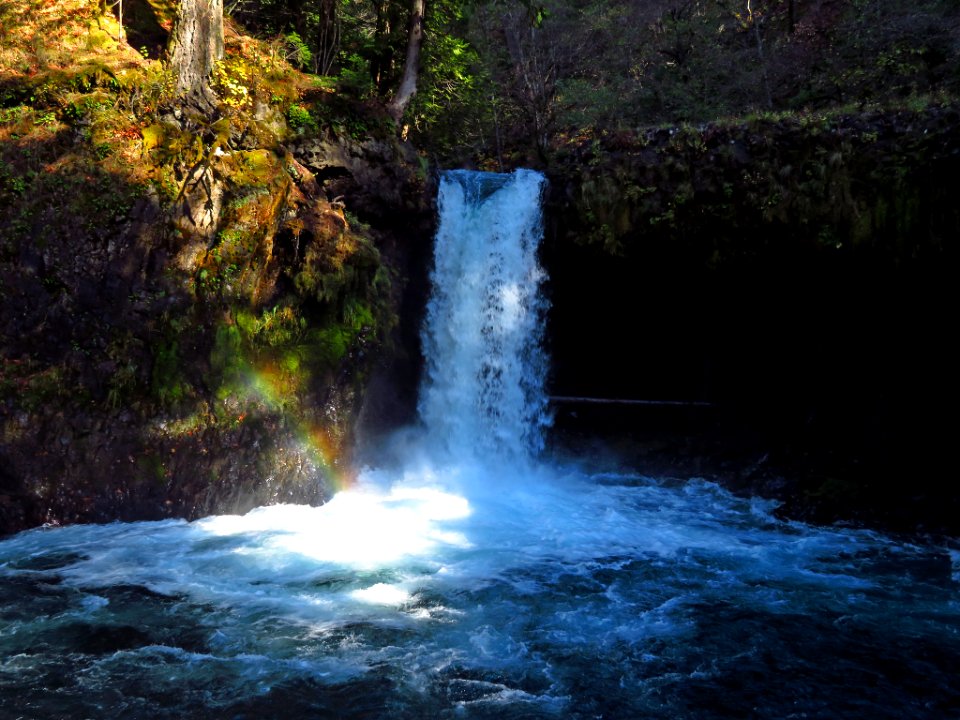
(411, 68)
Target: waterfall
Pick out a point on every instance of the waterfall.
(483, 391)
(468, 581)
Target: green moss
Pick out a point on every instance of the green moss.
(324, 286)
(290, 361)
(280, 327)
(30, 386)
(151, 468)
(862, 228)
(228, 360)
(247, 322)
(358, 315)
(168, 386)
(255, 168)
(907, 213)
(328, 345)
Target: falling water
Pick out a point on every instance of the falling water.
(471, 581)
(485, 366)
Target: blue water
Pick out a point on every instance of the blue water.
(574, 596)
(474, 579)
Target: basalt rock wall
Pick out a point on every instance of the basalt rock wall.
(794, 274)
(208, 350)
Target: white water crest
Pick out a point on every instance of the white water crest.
(473, 580)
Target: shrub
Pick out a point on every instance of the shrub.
(299, 117)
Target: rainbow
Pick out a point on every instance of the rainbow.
(273, 387)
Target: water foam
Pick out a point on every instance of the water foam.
(482, 396)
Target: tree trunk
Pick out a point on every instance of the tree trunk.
(328, 38)
(381, 61)
(196, 45)
(763, 66)
(411, 68)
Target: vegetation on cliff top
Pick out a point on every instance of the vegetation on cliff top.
(504, 81)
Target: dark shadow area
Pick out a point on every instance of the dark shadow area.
(828, 378)
(828, 363)
(390, 401)
(147, 25)
(78, 342)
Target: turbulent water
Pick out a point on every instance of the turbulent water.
(483, 396)
(476, 582)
